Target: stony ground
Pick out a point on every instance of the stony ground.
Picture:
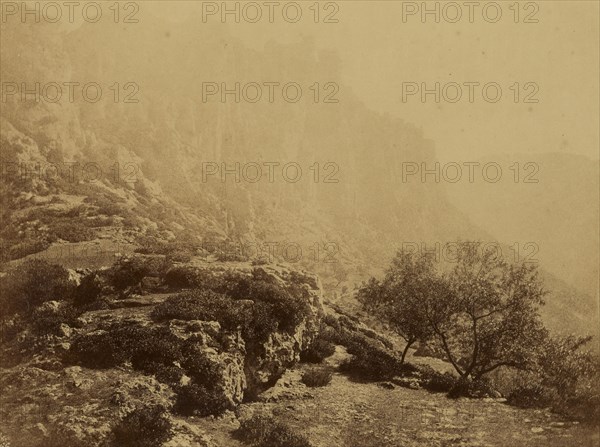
(351, 414)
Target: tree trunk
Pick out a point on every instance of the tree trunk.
(408, 345)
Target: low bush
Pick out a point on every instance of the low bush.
(144, 427)
(88, 290)
(140, 345)
(226, 299)
(32, 283)
(199, 400)
(158, 352)
(127, 272)
(264, 431)
(199, 367)
(72, 230)
(465, 387)
(318, 351)
(202, 305)
(97, 351)
(584, 406)
(435, 381)
(317, 377)
(48, 321)
(180, 277)
(19, 249)
(287, 306)
(532, 396)
(373, 364)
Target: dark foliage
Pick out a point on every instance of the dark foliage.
(318, 351)
(202, 305)
(372, 363)
(438, 382)
(127, 272)
(88, 290)
(145, 427)
(142, 346)
(47, 322)
(264, 431)
(200, 400)
(32, 283)
(471, 388)
(531, 396)
(156, 351)
(253, 304)
(317, 377)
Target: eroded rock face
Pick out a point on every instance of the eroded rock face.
(282, 349)
(244, 373)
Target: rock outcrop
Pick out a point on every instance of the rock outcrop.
(83, 404)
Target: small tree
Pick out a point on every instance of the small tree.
(480, 316)
(401, 298)
(493, 314)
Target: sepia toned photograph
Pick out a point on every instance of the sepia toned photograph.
(311, 223)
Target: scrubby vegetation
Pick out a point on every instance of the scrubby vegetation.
(180, 249)
(158, 352)
(264, 431)
(371, 360)
(317, 377)
(254, 304)
(144, 427)
(38, 295)
(318, 351)
(26, 287)
(565, 378)
(200, 400)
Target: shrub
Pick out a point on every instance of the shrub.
(584, 406)
(257, 320)
(288, 306)
(318, 351)
(145, 427)
(127, 272)
(20, 249)
(142, 346)
(371, 362)
(201, 305)
(264, 431)
(531, 396)
(199, 400)
(180, 276)
(88, 290)
(317, 377)
(169, 374)
(181, 255)
(48, 321)
(199, 367)
(436, 381)
(465, 387)
(72, 230)
(151, 346)
(32, 283)
(97, 351)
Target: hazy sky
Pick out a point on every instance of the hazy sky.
(379, 52)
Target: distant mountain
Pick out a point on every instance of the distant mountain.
(171, 134)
